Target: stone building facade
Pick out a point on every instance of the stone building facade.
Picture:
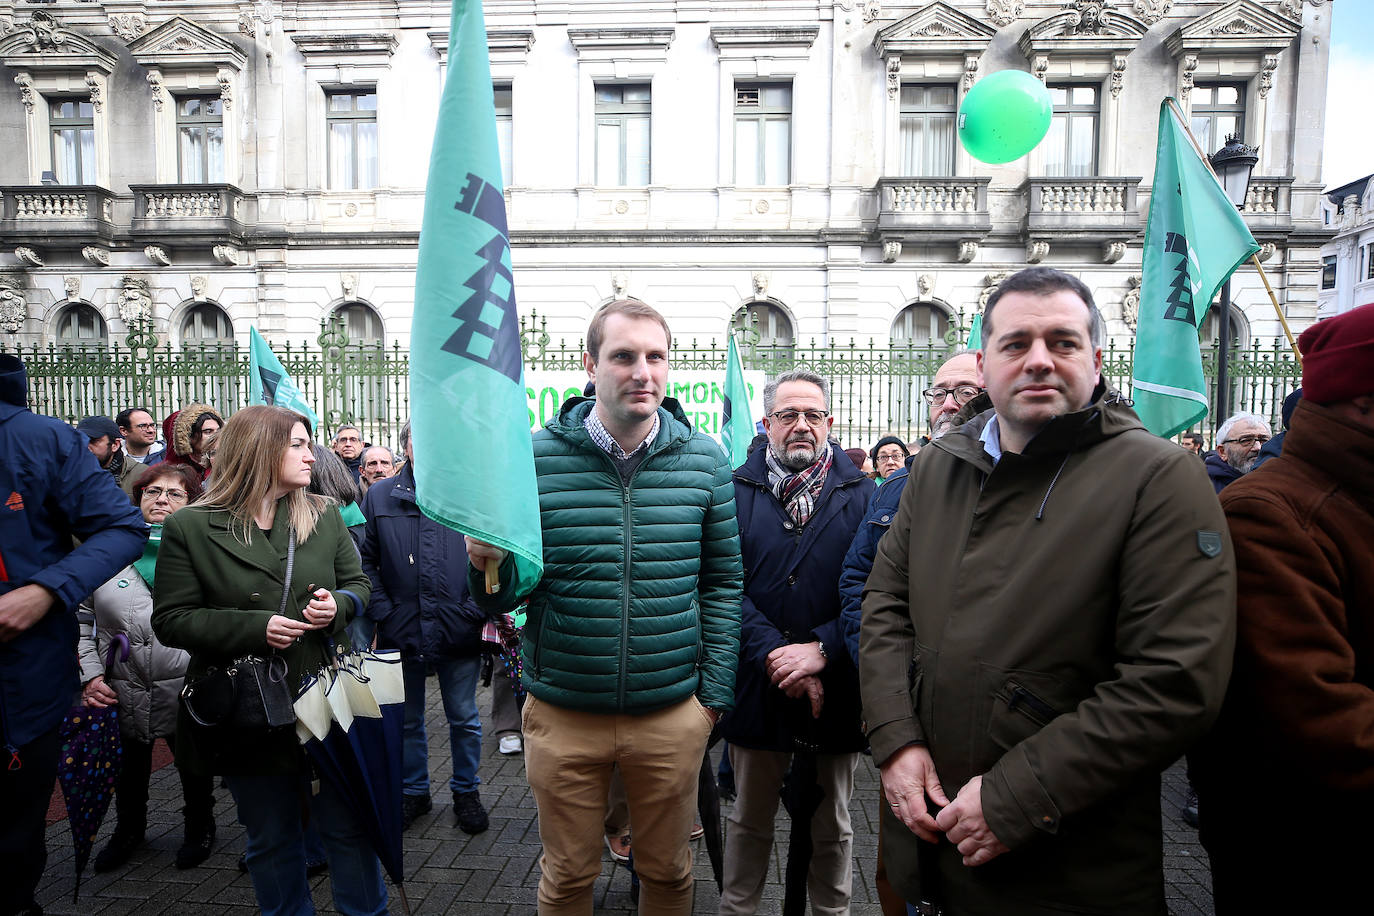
(214, 164)
(1347, 277)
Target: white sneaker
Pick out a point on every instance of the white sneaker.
(510, 745)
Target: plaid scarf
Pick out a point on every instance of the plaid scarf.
(798, 492)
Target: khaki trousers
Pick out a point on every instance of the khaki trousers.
(568, 760)
(749, 836)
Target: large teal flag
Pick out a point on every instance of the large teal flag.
(975, 333)
(736, 426)
(269, 383)
(1194, 240)
(474, 463)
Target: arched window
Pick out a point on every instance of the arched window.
(80, 325)
(361, 395)
(206, 323)
(920, 324)
(1210, 332)
(361, 323)
(768, 332)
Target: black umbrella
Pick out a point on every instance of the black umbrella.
(801, 795)
(708, 806)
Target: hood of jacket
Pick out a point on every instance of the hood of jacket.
(673, 426)
(1220, 472)
(14, 381)
(176, 429)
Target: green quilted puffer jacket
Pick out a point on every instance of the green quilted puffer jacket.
(639, 604)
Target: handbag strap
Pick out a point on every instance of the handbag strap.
(290, 565)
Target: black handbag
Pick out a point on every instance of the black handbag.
(250, 692)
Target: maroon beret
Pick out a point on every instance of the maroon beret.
(1338, 357)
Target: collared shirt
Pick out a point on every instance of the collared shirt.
(597, 430)
(991, 437)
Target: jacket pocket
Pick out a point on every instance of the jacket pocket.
(1022, 703)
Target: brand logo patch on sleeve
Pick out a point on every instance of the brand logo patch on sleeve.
(1209, 542)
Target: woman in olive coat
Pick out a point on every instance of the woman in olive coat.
(218, 594)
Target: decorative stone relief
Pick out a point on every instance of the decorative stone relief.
(181, 42)
(892, 250)
(128, 26)
(1113, 252)
(42, 32)
(71, 287)
(1237, 26)
(872, 10)
(94, 254)
(1130, 303)
(158, 255)
(1152, 10)
(619, 284)
(226, 88)
(25, 84)
(1266, 76)
(760, 280)
(970, 72)
(968, 250)
(198, 288)
(762, 205)
(990, 283)
(14, 306)
(247, 24)
(226, 254)
(93, 84)
(1088, 16)
(1005, 12)
(1185, 82)
(349, 284)
(135, 300)
(622, 207)
(1037, 251)
(1266, 251)
(894, 76)
(159, 91)
(1040, 66)
(28, 256)
(1118, 75)
(924, 284)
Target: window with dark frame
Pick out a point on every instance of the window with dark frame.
(505, 129)
(80, 325)
(1329, 272)
(200, 139)
(72, 124)
(1071, 144)
(622, 135)
(351, 121)
(1218, 112)
(763, 134)
(927, 118)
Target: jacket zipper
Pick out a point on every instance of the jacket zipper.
(1035, 707)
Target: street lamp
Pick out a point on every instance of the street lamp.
(1233, 164)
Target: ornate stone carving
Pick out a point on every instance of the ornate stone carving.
(198, 288)
(892, 250)
(619, 284)
(14, 306)
(872, 10)
(1040, 66)
(349, 284)
(1005, 12)
(622, 207)
(93, 84)
(924, 284)
(990, 283)
(894, 76)
(1088, 16)
(1152, 10)
(159, 91)
(968, 250)
(1238, 26)
(1130, 303)
(970, 72)
(760, 280)
(1036, 251)
(1113, 252)
(128, 26)
(226, 254)
(1266, 76)
(158, 255)
(1266, 251)
(135, 300)
(71, 287)
(762, 205)
(28, 256)
(226, 88)
(25, 84)
(247, 24)
(181, 42)
(94, 254)
(1185, 81)
(1118, 74)
(42, 32)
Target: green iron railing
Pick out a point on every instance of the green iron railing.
(875, 386)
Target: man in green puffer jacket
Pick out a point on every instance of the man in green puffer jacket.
(632, 634)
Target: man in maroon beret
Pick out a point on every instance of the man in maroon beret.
(1286, 780)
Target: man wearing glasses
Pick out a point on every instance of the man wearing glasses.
(955, 384)
(139, 430)
(348, 444)
(1239, 441)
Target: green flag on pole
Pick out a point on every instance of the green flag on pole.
(474, 463)
(269, 383)
(736, 426)
(1194, 240)
(975, 333)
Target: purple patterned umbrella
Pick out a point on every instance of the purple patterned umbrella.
(86, 771)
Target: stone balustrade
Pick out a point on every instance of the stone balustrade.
(63, 211)
(1099, 208)
(934, 209)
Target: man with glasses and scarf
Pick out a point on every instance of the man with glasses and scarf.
(1239, 441)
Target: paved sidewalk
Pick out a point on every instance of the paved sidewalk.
(494, 872)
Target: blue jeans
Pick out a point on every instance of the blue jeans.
(458, 687)
(269, 808)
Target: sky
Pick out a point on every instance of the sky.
(1348, 149)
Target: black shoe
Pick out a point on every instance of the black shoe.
(1189, 809)
(412, 806)
(468, 812)
(725, 786)
(315, 869)
(197, 841)
(123, 843)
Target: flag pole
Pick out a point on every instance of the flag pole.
(1254, 259)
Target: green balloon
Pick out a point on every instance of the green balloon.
(1004, 116)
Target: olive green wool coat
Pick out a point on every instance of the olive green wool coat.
(639, 604)
(213, 596)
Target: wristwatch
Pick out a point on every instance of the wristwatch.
(821, 646)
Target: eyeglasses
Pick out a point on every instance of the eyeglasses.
(1247, 441)
(962, 394)
(144, 426)
(891, 456)
(156, 493)
(788, 417)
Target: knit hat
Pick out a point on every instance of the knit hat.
(856, 455)
(887, 440)
(1338, 357)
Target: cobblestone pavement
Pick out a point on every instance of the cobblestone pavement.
(495, 872)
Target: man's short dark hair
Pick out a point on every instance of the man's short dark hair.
(630, 307)
(125, 417)
(1042, 281)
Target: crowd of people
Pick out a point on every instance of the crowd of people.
(1037, 609)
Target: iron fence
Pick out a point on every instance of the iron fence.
(875, 386)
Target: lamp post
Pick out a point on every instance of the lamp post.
(1233, 164)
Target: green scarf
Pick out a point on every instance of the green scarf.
(147, 563)
(352, 515)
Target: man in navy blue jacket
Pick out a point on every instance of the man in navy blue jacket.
(421, 605)
(799, 501)
(51, 490)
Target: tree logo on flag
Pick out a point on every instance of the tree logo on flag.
(1182, 289)
(488, 333)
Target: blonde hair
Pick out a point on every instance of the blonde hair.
(248, 457)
